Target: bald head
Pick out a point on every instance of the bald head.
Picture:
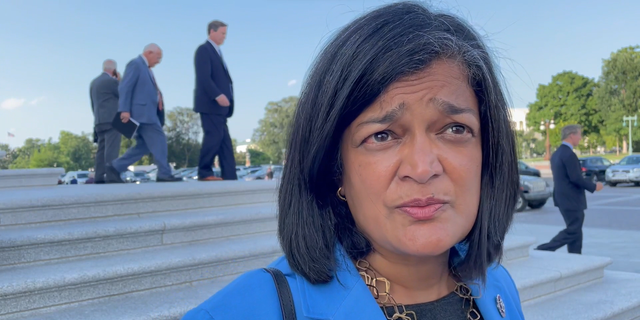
(153, 54)
(108, 66)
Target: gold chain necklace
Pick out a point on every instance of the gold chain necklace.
(385, 299)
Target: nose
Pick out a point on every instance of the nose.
(419, 160)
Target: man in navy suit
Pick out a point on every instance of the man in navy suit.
(568, 192)
(213, 99)
(140, 99)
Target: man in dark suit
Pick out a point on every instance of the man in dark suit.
(140, 99)
(568, 192)
(213, 99)
(103, 92)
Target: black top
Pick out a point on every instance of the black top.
(450, 307)
(568, 183)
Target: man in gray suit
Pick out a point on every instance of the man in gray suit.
(140, 99)
(104, 105)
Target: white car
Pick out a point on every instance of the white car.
(626, 171)
(81, 176)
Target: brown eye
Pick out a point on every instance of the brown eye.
(382, 136)
(458, 129)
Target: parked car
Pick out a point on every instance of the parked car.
(135, 177)
(193, 175)
(241, 171)
(81, 177)
(61, 178)
(594, 168)
(525, 169)
(262, 173)
(626, 171)
(534, 192)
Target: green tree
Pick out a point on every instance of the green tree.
(618, 94)
(240, 157)
(79, 150)
(258, 157)
(567, 99)
(6, 160)
(50, 155)
(184, 133)
(21, 157)
(273, 130)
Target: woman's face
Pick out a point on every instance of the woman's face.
(412, 163)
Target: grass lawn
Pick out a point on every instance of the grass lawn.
(611, 157)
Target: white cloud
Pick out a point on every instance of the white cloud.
(12, 103)
(36, 101)
(292, 82)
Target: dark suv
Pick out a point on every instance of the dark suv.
(594, 168)
(525, 170)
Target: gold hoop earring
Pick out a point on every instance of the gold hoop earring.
(343, 198)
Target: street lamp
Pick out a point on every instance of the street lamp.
(547, 124)
(624, 124)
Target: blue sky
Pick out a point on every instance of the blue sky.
(51, 50)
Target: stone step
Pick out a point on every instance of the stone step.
(25, 244)
(26, 178)
(71, 202)
(614, 297)
(516, 247)
(545, 273)
(169, 303)
(31, 287)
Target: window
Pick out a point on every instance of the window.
(83, 176)
(630, 160)
(606, 162)
(595, 162)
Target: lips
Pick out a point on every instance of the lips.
(423, 209)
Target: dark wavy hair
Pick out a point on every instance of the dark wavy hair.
(351, 72)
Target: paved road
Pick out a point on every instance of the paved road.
(611, 226)
(612, 208)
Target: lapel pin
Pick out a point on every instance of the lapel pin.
(500, 306)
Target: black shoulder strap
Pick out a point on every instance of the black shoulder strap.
(284, 294)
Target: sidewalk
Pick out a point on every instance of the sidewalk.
(620, 245)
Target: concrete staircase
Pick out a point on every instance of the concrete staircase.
(19, 178)
(154, 251)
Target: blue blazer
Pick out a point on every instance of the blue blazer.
(138, 92)
(253, 296)
(212, 80)
(568, 183)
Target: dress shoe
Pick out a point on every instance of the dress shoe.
(210, 178)
(168, 179)
(113, 175)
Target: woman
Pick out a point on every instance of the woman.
(400, 183)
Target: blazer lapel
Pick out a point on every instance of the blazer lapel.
(493, 298)
(214, 52)
(345, 297)
(145, 66)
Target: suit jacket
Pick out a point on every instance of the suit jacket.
(104, 98)
(568, 183)
(212, 80)
(138, 92)
(253, 296)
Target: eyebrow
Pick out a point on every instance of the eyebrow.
(386, 118)
(451, 109)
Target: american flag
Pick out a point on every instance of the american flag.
(11, 135)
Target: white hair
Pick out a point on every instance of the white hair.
(109, 65)
(152, 47)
